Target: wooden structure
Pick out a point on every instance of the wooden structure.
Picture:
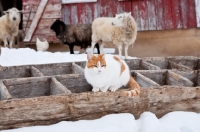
(149, 14)
(46, 94)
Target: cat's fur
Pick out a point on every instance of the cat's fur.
(108, 72)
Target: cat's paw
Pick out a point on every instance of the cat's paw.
(103, 89)
(95, 89)
(113, 88)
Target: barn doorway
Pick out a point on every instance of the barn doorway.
(6, 4)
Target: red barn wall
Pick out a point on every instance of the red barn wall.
(51, 12)
(149, 14)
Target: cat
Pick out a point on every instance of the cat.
(107, 72)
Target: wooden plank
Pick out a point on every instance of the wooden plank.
(143, 81)
(66, 15)
(119, 5)
(160, 23)
(53, 109)
(136, 14)
(128, 7)
(49, 7)
(177, 80)
(167, 14)
(147, 66)
(96, 10)
(4, 94)
(190, 15)
(85, 13)
(46, 15)
(37, 2)
(151, 14)
(50, 38)
(109, 8)
(197, 8)
(44, 30)
(42, 23)
(176, 14)
(57, 88)
(184, 12)
(74, 14)
(35, 21)
(143, 15)
(35, 72)
(77, 69)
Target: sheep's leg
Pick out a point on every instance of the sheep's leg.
(92, 47)
(101, 47)
(126, 51)
(120, 50)
(10, 43)
(71, 47)
(97, 46)
(5, 42)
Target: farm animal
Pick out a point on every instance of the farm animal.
(9, 26)
(119, 30)
(106, 71)
(42, 45)
(79, 34)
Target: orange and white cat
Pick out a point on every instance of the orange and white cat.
(108, 72)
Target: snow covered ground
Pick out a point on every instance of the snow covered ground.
(125, 122)
(177, 121)
(26, 56)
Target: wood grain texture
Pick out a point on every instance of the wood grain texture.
(52, 109)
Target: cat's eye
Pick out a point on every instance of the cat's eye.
(95, 66)
(103, 65)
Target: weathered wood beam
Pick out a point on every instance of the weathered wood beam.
(35, 72)
(47, 110)
(76, 69)
(4, 94)
(57, 88)
(147, 66)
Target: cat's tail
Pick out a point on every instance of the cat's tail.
(134, 88)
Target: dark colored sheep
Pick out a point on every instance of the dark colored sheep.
(79, 34)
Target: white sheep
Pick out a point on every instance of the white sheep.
(9, 26)
(119, 30)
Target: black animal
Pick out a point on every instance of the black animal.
(79, 34)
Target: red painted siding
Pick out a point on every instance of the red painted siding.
(149, 14)
(51, 12)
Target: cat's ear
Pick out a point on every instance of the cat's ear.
(104, 55)
(89, 56)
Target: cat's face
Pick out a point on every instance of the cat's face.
(96, 63)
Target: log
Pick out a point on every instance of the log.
(48, 110)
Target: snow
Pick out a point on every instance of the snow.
(172, 122)
(27, 56)
(177, 121)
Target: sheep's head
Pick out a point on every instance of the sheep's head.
(58, 27)
(13, 14)
(121, 19)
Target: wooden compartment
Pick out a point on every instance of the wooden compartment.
(57, 92)
(34, 87)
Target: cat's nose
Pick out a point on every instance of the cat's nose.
(99, 71)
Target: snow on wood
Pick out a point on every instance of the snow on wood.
(35, 20)
(197, 4)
